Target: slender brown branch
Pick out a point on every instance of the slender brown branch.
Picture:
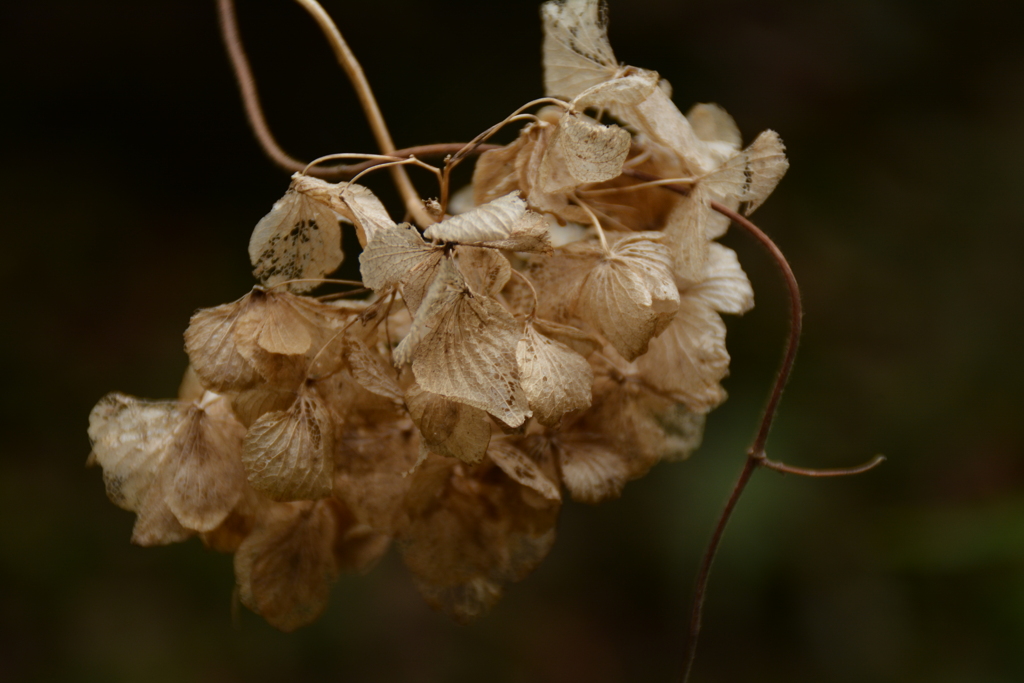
(701, 588)
(247, 86)
(796, 316)
(355, 74)
(756, 456)
(837, 472)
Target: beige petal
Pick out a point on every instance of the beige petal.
(628, 89)
(496, 172)
(593, 153)
(504, 223)
(449, 428)
(520, 467)
(462, 346)
(131, 440)
(725, 286)
(686, 237)
(214, 351)
(209, 478)
(249, 405)
(711, 123)
(285, 567)
(486, 270)
(576, 50)
(576, 339)
(288, 455)
(299, 238)
(751, 175)
(689, 359)
(555, 378)
(387, 260)
(470, 531)
(592, 472)
(630, 296)
(493, 221)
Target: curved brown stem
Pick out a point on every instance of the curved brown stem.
(756, 456)
(796, 316)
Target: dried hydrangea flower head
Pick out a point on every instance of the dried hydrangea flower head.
(561, 333)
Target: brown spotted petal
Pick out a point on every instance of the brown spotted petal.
(576, 51)
(299, 239)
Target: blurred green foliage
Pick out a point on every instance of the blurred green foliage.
(130, 184)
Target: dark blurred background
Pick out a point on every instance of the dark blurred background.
(130, 183)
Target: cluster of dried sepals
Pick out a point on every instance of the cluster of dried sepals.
(562, 333)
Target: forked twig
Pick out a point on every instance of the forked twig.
(756, 456)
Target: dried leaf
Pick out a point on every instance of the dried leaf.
(299, 238)
(462, 346)
(449, 428)
(288, 455)
(555, 378)
(629, 296)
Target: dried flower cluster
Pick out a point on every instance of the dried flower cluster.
(560, 333)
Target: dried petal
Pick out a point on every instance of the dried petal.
(486, 270)
(630, 296)
(576, 50)
(285, 567)
(592, 471)
(299, 238)
(462, 346)
(209, 479)
(469, 532)
(449, 428)
(520, 467)
(504, 223)
(555, 378)
(172, 463)
(751, 175)
(288, 454)
(593, 153)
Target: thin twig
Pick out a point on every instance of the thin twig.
(756, 456)
(354, 70)
(247, 85)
